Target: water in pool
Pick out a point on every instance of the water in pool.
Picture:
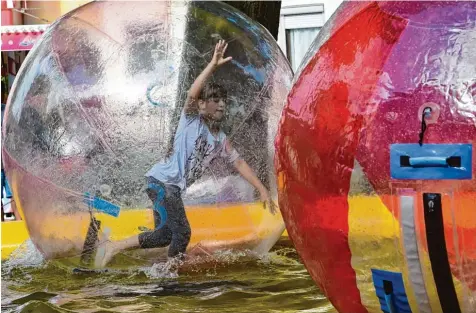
(277, 282)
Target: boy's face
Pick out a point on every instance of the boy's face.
(214, 108)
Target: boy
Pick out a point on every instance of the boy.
(198, 141)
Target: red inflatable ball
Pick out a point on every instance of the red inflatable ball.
(375, 160)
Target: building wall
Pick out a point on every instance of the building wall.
(300, 22)
(313, 15)
(9, 16)
(306, 15)
(329, 5)
(50, 10)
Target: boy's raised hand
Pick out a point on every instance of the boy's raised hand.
(220, 49)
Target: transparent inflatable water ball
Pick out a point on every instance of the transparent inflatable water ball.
(98, 102)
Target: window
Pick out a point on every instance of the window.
(299, 25)
(298, 41)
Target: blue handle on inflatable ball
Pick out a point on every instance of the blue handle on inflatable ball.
(429, 162)
(102, 205)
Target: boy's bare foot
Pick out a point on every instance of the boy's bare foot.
(105, 252)
(199, 249)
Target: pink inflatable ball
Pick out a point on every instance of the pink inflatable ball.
(379, 204)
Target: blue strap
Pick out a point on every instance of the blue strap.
(158, 207)
(101, 205)
(389, 302)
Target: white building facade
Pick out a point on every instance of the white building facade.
(300, 21)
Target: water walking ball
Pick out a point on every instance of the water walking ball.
(97, 104)
(375, 159)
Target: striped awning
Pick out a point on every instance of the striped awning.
(21, 37)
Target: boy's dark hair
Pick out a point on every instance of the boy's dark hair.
(213, 90)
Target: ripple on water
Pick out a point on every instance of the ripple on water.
(228, 282)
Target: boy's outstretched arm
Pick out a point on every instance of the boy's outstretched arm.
(191, 106)
(247, 172)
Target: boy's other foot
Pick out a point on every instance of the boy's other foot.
(199, 250)
(105, 252)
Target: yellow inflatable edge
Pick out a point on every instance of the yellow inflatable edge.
(15, 233)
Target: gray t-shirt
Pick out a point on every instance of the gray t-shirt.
(194, 148)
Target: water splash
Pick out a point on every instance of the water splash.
(26, 255)
(280, 257)
(167, 269)
(173, 268)
(218, 281)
